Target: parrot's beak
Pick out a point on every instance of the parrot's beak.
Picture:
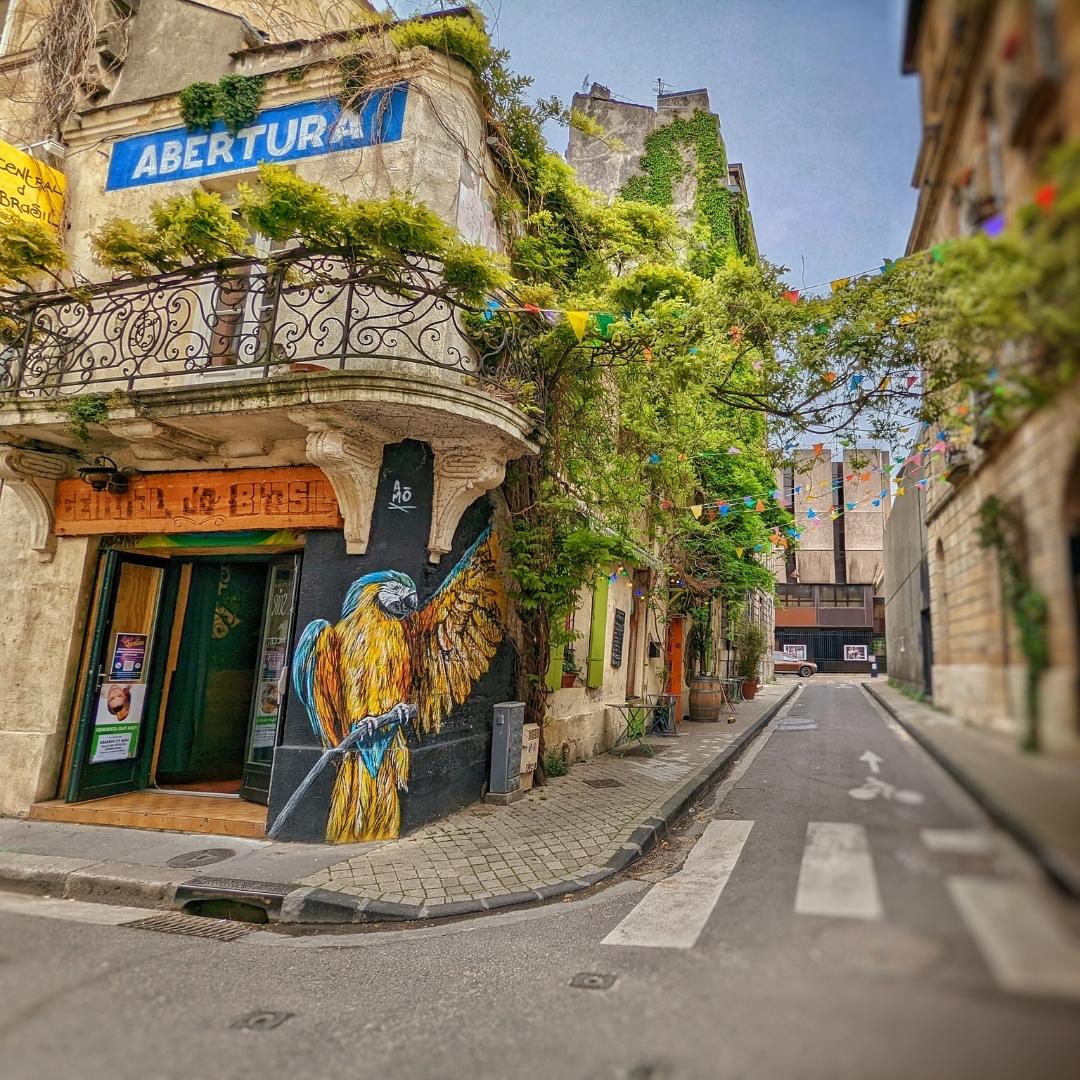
(403, 606)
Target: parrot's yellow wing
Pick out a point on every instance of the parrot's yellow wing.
(453, 637)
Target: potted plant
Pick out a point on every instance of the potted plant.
(706, 695)
(749, 649)
(570, 669)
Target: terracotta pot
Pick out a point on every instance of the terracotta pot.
(749, 689)
(568, 680)
(705, 699)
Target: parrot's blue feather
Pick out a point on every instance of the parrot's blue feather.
(373, 750)
(356, 589)
(303, 671)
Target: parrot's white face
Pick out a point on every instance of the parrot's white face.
(397, 598)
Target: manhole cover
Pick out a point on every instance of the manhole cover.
(202, 857)
(261, 1021)
(175, 922)
(591, 980)
(604, 781)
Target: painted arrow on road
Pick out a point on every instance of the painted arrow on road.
(873, 761)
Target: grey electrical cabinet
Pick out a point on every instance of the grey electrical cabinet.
(506, 747)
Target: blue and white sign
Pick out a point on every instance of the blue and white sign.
(309, 129)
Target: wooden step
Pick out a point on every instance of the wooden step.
(161, 812)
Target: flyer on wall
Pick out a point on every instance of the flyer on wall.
(117, 721)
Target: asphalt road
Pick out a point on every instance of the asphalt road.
(812, 932)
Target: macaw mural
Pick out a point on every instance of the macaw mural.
(389, 670)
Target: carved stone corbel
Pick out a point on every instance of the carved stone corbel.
(32, 476)
(462, 475)
(351, 461)
(154, 441)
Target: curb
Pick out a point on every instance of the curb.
(1061, 869)
(88, 879)
(313, 906)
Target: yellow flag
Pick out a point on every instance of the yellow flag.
(696, 511)
(578, 320)
(839, 283)
(907, 318)
(884, 383)
(739, 551)
(899, 491)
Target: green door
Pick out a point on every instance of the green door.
(115, 735)
(206, 717)
(271, 688)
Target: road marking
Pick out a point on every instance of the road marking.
(872, 787)
(796, 723)
(959, 841)
(873, 760)
(48, 907)
(837, 873)
(1019, 935)
(672, 914)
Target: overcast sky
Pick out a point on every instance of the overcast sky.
(809, 95)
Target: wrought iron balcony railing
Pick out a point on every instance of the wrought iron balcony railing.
(243, 319)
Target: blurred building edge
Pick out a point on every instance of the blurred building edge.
(1000, 89)
(829, 599)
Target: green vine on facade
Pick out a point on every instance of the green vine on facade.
(721, 217)
(235, 99)
(1001, 528)
(81, 411)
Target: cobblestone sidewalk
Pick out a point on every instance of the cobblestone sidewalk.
(568, 831)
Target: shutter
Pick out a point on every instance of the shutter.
(598, 634)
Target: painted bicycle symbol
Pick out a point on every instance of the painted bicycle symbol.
(872, 787)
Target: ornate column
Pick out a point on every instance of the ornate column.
(462, 475)
(32, 476)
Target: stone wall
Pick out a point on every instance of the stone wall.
(906, 590)
(40, 603)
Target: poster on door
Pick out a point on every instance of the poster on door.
(794, 652)
(267, 708)
(855, 652)
(117, 721)
(129, 657)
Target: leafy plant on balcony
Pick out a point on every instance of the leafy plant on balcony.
(81, 411)
(28, 250)
(196, 227)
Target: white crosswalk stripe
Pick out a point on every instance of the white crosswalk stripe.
(837, 877)
(959, 841)
(1019, 934)
(674, 911)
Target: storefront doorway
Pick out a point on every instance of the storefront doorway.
(184, 675)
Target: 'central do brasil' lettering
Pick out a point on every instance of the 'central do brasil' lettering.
(308, 129)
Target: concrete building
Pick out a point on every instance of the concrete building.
(270, 441)
(830, 607)
(1000, 84)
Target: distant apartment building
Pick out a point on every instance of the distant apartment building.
(1000, 89)
(830, 607)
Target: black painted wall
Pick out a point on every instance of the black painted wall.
(448, 770)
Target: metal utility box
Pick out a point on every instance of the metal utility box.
(506, 747)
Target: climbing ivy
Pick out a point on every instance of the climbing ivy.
(721, 218)
(235, 99)
(1001, 528)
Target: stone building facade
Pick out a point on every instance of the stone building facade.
(1000, 85)
(829, 599)
(291, 461)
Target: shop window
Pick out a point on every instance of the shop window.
(793, 596)
(841, 596)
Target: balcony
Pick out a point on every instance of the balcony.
(305, 357)
(245, 319)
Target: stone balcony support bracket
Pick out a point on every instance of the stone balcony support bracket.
(462, 475)
(32, 476)
(351, 460)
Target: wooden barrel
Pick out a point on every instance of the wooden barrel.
(705, 699)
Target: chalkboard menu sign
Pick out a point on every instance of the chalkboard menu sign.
(617, 637)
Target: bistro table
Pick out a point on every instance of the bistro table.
(649, 715)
